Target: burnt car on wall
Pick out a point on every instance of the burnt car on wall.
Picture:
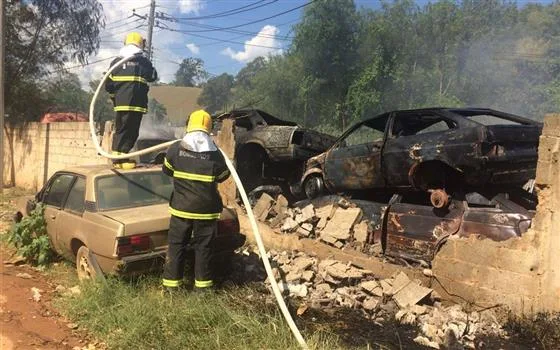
(270, 150)
(441, 150)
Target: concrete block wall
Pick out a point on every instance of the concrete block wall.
(32, 153)
(522, 273)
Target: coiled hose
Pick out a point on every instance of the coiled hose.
(254, 226)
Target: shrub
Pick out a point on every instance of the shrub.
(30, 238)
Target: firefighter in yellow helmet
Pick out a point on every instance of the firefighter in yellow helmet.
(128, 87)
(197, 166)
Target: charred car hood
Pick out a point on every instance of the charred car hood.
(137, 220)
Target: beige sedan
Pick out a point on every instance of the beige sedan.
(110, 221)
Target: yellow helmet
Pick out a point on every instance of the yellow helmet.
(134, 38)
(199, 121)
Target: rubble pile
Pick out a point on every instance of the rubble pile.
(332, 284)
(338, 224)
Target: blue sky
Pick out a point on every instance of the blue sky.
(189, 26)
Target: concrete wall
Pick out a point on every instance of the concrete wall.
(523, 273)
(34, 152)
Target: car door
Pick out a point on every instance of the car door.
(70, 220)
(54, 197)
(354, 162)
(412, 138)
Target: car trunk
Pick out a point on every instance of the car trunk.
(152, 220)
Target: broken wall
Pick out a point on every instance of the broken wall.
(33, 152)
(225, 139)
(521, 273)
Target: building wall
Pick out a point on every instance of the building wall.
(522, 273)
(32, 153)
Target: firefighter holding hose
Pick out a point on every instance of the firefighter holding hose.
(128, 87)
(197, 166)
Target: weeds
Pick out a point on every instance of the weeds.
(543, 328)
(30, 238)
(136, 315)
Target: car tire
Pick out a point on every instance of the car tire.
(84, 266)
(314, 186)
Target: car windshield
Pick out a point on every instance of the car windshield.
(128, 190)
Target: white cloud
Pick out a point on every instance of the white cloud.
(193, 48)
(263, 44)
(190, 6)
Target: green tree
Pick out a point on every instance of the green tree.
(190, 72)
(216, 93)
(64, 94)
(41, 36)
(104, 107)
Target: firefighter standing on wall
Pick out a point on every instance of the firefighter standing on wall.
(128, 87)
(197, 166)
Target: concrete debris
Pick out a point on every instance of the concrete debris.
(16, 261)
(263, 206)
(426, 342)
(342, 222)
(24, 276)
(281, 206)
(331, 284)
(36, 294)
(361, 232)
(290, 225)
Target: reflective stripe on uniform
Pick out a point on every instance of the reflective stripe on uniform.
(194, 216)
(194, 177)
(203, 284)
(167, 164)
(128, 78)
(130, 109)
(171, 283)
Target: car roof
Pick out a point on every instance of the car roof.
(106, 169)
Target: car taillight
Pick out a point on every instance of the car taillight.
(132, 244)
(228, 226)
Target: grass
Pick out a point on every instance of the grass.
(137, 315)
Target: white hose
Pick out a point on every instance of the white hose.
(254, 226)
(262, 250)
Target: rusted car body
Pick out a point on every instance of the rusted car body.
(428, 149)
(268, 148)
(417, 231)
(115, 220)
(409, 228)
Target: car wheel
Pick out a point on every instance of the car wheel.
(314, 186)
(84, 266)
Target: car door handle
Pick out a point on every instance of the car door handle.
(53, 217)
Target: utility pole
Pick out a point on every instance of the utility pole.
(150, 27)
(2, 46)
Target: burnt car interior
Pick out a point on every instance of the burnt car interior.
(416, 124)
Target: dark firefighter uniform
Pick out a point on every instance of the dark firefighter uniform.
(195, 207)
(128, 87)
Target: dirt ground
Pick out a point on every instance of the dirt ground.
(25, 323)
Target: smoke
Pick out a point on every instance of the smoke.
(153, 127)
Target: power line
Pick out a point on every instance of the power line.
(255, 21)
(80, 65)
(217, 39)
(246, 8)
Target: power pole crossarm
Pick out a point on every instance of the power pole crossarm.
(150, 28)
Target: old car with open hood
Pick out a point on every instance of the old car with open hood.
(446, 151)
(116, 221)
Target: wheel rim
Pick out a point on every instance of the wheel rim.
(313, 187)
(84, 268)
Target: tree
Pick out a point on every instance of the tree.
(216, 93)
(191, 70)
(246, 74)
(41, 36)
(65, 94)
(157, 109)
(104, 107)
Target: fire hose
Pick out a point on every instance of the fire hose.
(254, 226)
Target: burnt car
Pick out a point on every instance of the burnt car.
(116, 222)
(441, 150)
(270, 150)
